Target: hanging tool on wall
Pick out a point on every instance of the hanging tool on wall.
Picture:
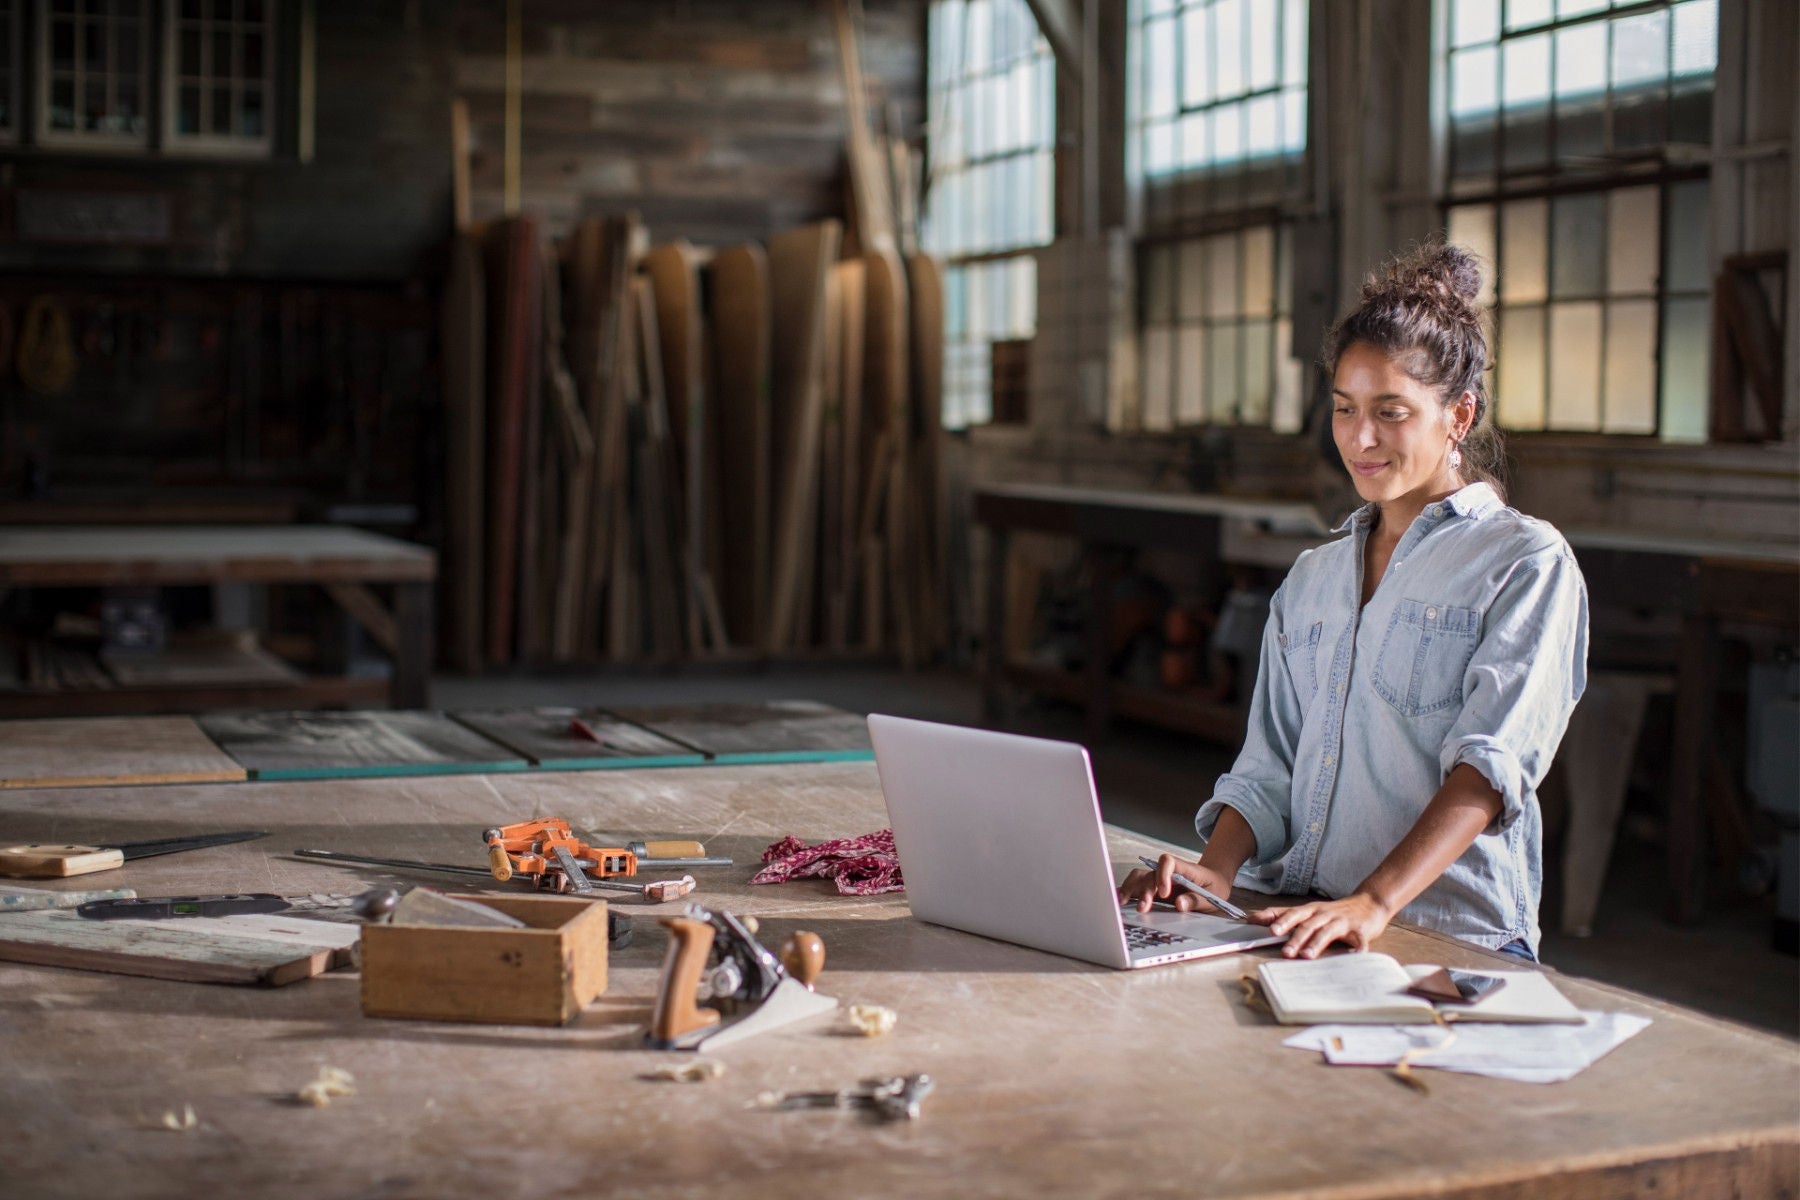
(40, 861)
(714, 959)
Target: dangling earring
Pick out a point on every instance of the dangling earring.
(1455, 457)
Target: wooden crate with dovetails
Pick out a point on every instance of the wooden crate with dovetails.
(541, 975)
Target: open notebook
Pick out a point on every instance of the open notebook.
(1370, 989)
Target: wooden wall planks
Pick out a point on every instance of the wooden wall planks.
(720, 122)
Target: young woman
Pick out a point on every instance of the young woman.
(1417, 675)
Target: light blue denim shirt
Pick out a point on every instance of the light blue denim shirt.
(1473, 650)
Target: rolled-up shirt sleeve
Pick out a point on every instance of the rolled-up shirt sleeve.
(1260, 782)
(1524, 679)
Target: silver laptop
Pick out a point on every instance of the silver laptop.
(1001, 835)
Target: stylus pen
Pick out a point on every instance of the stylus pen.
(1219, 902)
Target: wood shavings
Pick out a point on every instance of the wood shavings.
(1403, 1069)
(871, 1020)
(332, 1081)
(182, 1122)
(698, 1071)
(1253, 997)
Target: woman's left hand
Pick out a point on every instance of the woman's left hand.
(1356, 920)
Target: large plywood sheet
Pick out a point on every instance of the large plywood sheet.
(83, 752)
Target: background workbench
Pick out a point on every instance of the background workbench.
(1055, 1078)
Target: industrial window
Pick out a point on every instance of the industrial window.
(1577, 138)
(93, 72)
(1217, 332)
(991, 127)
(1218, 113)
(218, 76)
(1221, 81)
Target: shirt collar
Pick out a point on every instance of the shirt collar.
(1475, 501)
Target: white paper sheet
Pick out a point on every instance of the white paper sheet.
(1528, 1053)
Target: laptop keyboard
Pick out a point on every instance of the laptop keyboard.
(1142, 937)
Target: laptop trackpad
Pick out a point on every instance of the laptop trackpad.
(1202, 927)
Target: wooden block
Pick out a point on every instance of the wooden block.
(336, 745)
(261, 949)
(542, 975)
(549, 739)
(95, 751)
(741, 382)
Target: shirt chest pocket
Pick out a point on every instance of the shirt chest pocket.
(1301, 651)
(1427, 647)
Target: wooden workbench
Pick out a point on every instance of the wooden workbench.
(1054, 1078)
(342, 561)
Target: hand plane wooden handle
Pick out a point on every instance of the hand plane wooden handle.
(803, 956)
(676, 1013)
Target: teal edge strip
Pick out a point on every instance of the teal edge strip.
(792, 756)
(379, 771)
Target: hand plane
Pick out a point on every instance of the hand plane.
(715, 960)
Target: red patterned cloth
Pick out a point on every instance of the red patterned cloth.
(861, 866)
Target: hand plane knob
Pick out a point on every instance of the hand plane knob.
(803, 956)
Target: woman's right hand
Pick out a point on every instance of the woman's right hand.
(1143, 887)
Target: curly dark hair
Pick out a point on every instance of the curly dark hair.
(1421, 310)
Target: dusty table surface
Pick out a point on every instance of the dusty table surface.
(1054, 1078)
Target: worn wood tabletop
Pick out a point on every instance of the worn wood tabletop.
(1054, 1078)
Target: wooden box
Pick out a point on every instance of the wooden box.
(542, 975)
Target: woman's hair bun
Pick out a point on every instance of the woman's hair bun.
(1436, 275)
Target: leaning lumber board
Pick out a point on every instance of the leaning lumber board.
(851, 286)
(799, 264)
(885, 373)
(573, 441)
(659, 502)
(873, 204)
(465, 418)
(269, 950)
(512, 367)
(818, 561)
(93, 751)
(925, 290)
(740, 341)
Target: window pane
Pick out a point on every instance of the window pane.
(1262, 118)
(220, 117)
(187, 110)
(1258, 299)
(1190, 378)
(1521, 14)
(1575, 8)
(1522, 233)
(1525, 71)
(93, 45)
(1228, 47)
(1575, 366)
(1472, 227)
(1196, 76)
(1696, 50)
(251, 117)
(1578, 238)
(1228, 132)
(1519, 384)
(1473, 21)
(1293, 33)
(1222, 276)
(1286, 416)
(190, 52)
(1633, 238)
(1687, 268)
(1157, 281)
(1259, 349)
(1631, 366)
(1159, 74)
(1157, 401)
(1581, 61)
(1684, 370)
(1640, 52)
(220, 64)
(1190, 280)
(62, 43)
(1222, 384)
(1474, 84)
(1264, 28)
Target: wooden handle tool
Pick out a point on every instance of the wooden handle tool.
(676, 1013)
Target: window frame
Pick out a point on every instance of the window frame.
(215, 145)
(79, 140)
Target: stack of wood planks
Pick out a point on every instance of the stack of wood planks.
(663, 451)
(658, 452)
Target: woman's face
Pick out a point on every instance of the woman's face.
(1393, 432)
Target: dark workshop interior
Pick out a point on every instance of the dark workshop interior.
(401, 399)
